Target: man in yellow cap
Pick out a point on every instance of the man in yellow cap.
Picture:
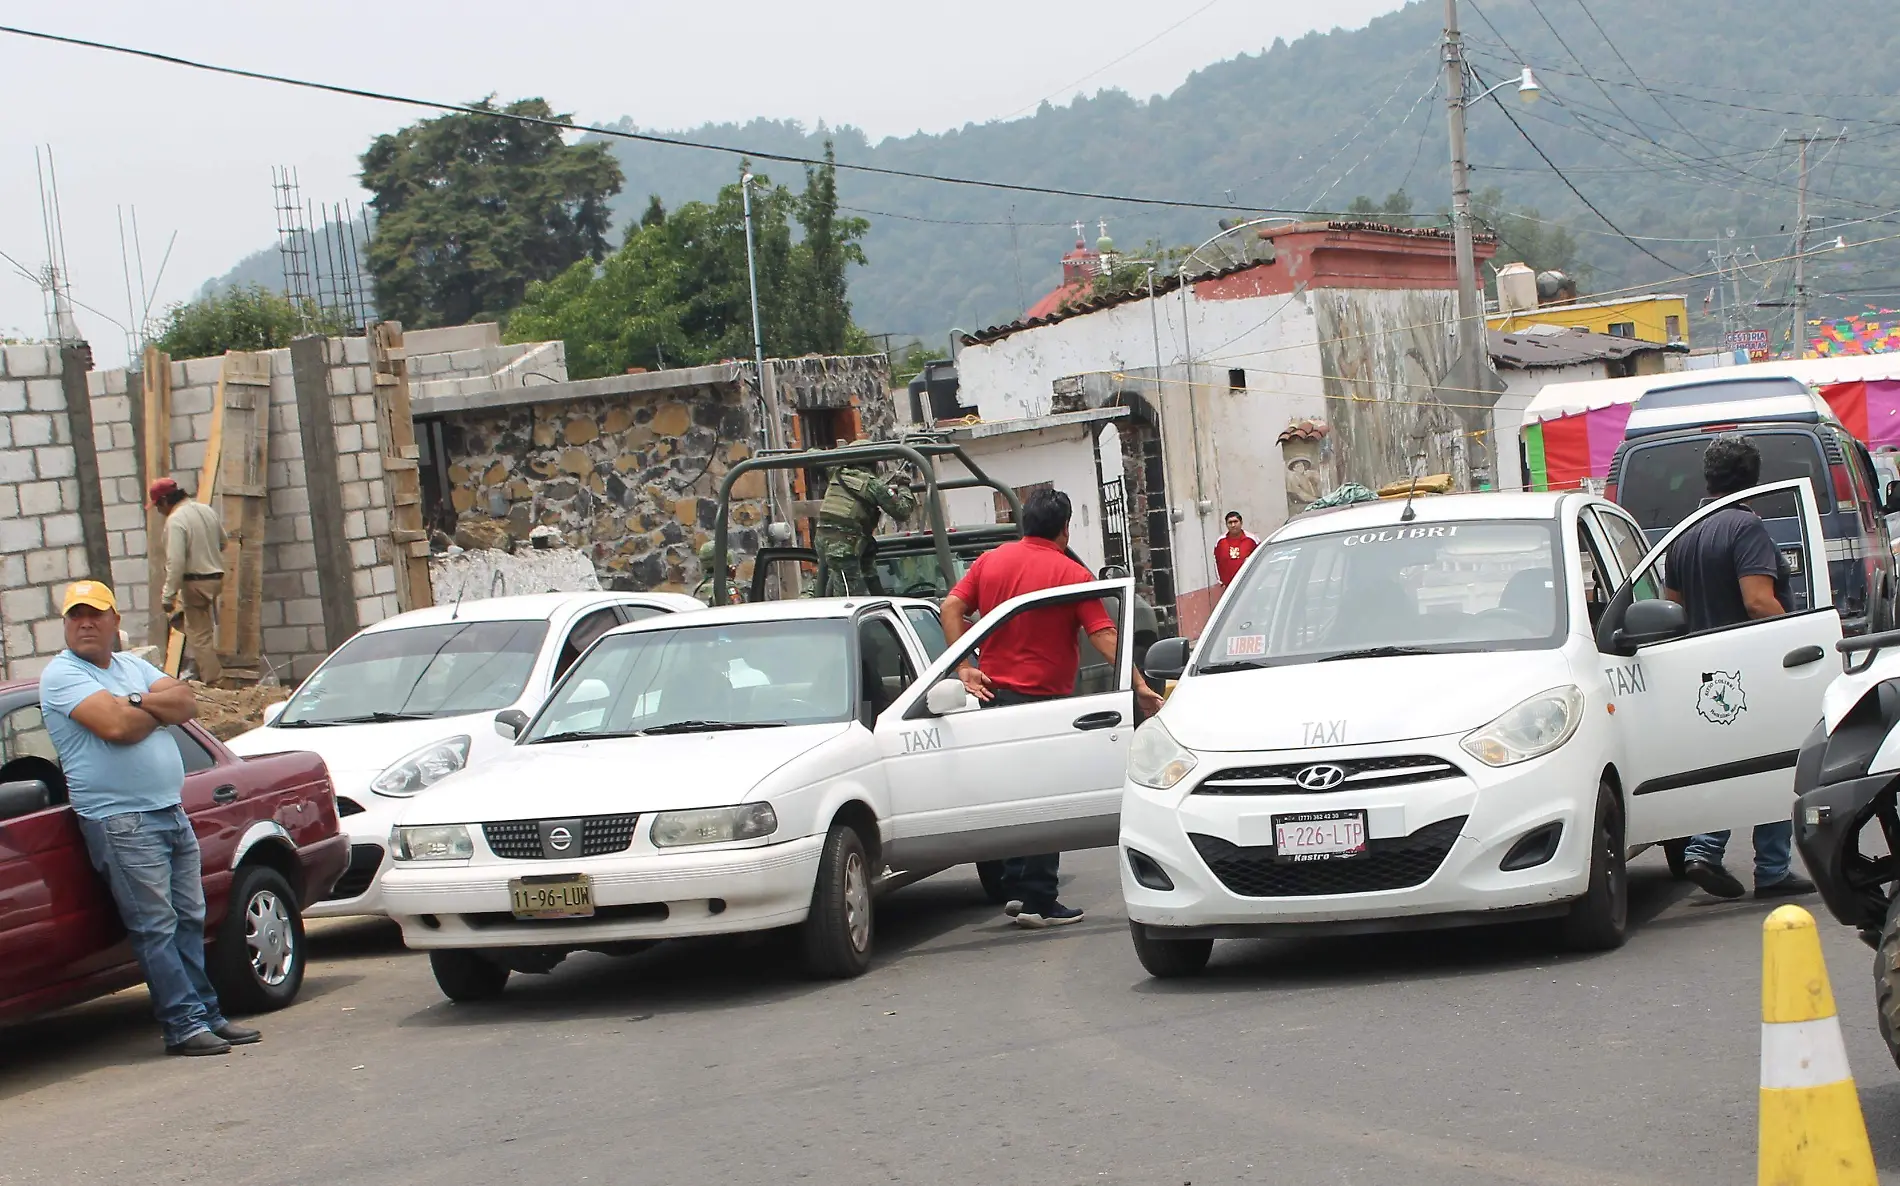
(106, 712)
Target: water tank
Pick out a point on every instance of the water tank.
(1555, 288)
(1517, 288)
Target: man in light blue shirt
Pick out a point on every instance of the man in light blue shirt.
(106, 713)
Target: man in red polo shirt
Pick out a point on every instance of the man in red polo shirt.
(1231, 550)
(1034, 656)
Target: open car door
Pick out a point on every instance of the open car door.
(975, 783)
(1712, 721)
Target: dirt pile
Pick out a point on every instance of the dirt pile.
(227, 712)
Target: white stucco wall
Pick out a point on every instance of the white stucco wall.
(1064, 456)
(1520, 387)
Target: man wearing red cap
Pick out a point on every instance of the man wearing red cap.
(194, 570)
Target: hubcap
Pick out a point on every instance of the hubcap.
(268, 933)
(857, 902)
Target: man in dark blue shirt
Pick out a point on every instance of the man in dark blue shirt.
(1726, 570)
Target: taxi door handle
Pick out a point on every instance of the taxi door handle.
(224, 794)
(1802, 656)
(1098, 720)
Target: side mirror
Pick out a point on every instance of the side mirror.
(273, 711)
(509, 722)
(948, 697)
(1893, 498)
(24, 798)
(1166, 660)
(1652, 621)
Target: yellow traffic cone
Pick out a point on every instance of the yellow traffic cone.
(1811, 1128)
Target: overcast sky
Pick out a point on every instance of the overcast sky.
(193, 151)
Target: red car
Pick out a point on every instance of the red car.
(269, 834)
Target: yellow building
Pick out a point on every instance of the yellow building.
(1657, 317)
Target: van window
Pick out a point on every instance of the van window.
(1662, 482)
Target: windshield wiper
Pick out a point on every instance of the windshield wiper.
(1230, 665)
(372, 718)
(713, 726)
(1382, 652)
(584, 735)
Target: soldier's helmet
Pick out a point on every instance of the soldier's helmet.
(706, 553)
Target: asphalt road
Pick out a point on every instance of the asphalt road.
(972, 1053)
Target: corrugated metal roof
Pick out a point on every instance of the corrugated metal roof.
(1526, 350)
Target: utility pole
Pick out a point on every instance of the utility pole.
(779, 486)
(1470, 311)
(1801, 244)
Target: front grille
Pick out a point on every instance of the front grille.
(1394, 863)
(632, 912)
(365, 859)
(520, 840)
(1361, 774)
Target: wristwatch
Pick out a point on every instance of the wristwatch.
(136, 700)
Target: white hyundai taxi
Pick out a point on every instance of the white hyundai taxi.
(411, 700)
(752, 767)
(1467, 710)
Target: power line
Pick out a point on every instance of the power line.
(623, 134)
(1066, 87)
(1639, 78)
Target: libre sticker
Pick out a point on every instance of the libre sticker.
(1246, 644)
(1721, 699)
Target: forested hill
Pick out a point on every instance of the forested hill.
(1669, 118)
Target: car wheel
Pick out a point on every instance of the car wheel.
(990, 873)
(256, 963)
(1887, 981)
(466, 976)
(1170, 959)
(1676, 853)
(835, 938)
(1599, 920)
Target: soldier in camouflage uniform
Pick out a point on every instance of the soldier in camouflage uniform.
(704, 591)
(847, 525)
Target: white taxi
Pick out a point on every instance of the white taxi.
(752, 767)
(1467, 710)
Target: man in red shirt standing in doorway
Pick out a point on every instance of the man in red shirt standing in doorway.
(1034, 656)
(1231, 550)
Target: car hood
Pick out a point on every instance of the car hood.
(1356, 701)
(617, 774)
(358, 753)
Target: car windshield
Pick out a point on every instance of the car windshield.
(916, 574)
(703, 678)
(1417, 588)
(447, 669)
(1662, 483)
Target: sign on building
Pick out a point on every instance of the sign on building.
(1755, 341)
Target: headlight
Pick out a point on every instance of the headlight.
(714, 825)
(1531, 729)
(436, 842)
(426, 767)
(1155, 758)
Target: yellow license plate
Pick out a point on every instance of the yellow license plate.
(555, 896)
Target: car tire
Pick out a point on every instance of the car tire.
(1676, 853)
(468, 976)
(835, 939)
(990, 873)
(1887, 981)
(1170, 959)
(1599, 921)
(256, 961)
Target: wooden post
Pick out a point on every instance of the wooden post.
(409, 539)
(233, 481)
(156, 380)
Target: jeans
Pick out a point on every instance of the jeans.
(150, 861)
(1774, 850)
(1033, 880)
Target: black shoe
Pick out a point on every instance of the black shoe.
(1712, 877)
(1792, 886)
(238, 1035)
(201, 1043)
(1055, 914)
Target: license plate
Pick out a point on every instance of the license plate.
(1319, 836)
(552, 896)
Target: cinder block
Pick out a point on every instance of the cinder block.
(30, 362)
(312, 587)
(385, 579)
(370, 465)
(271, 613)
(112, 407)
(286, 640)
(39, 498)
(6, 433)
(130, 491)
(116, 463)
(342, 381)
(279, 529)
(363, 583)
(201, 372)
(356, 350)
(116, 381)
(125, 516)
(291, 500)
(123, 437)
(25, 605)
(376, 522)
(138, 570)
(280, 587)
(31, 429)
(201, 427)
(355, 496)
(12, 572)
(306, 531)
(9, 502)
(69, 493)
(192, 401)
(369, 610)
(363, 409)
(101, 437)
(19, 535)
(188, 456)
(378, 494)
(349, 437)
(18, 638)
(115, 545)
(362, 553)
(28, 668)
(279, 362)
(95, 384)
(429, 364)
(49, 638)
(45, 395)
(63, 530)
(297, 556)
(304, 612)
(135, 543)
(16, 465)
(12, 395)
(62, 430)
(348, 468)
(56, 462)
(47, 566)
(333, 351)
(353, 526)
(372, 438)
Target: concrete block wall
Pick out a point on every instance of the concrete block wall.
(42, 545)
(365, 488)
(292, 613)
(115, 440)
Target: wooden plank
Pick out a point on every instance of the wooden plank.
(174, 653)
(399, 463)
(401, 474)
(214, 443)
(242, 485)
(156, 381)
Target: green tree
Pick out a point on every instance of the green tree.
(473, 208)
(1525, 236)
(676, 293)
(250, 318)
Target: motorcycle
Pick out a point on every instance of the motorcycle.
(1846, 822)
